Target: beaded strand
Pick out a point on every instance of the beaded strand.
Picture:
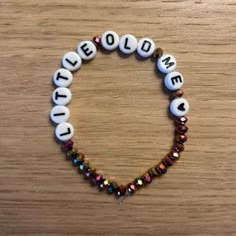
(61, 96)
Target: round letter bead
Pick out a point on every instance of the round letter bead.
(166, 63)
(59, 114)
(146, 47)
(87, 50)
(61, 96)
(62, 78)
(128, 44)
(64, 131)
(174, 80)
(110, 40)
(71, 61)
(179, 107)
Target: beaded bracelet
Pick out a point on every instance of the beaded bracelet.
(61, 96)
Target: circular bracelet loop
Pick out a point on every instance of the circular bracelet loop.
(61, 96)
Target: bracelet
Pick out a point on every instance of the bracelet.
(61, 96)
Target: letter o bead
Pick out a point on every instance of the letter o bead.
(179, 107)
(87, 50)
(110, 40)
(166, 63)
(146, 47)
(64, 131)
(174, 80)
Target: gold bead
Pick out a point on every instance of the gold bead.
(158, 53)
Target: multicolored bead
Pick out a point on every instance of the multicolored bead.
(112, 187)
(71, 153)
(167, 161)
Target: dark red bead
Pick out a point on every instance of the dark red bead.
(147, 178)
(181, 129)
(161, 169)
(181, 138)
(173, 155)
(181, 120)
(179, 147)
(131, 188)
(167, 161)
(121, 191)
(97, 41)
(67, 145)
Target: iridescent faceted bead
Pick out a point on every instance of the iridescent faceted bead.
(83, 166)
(147, 178)
(112, 187)
(158, 53)
(101, 185)
(67, 145)
(178, 93)
(138, 182)
(181, 138)
(173, 155)
(181, 129)
(71, 153)
(167, 161)
(78, 159)
(89, 172)
(179, 147)
(121, 191)
(106, 182)
(161, 169)
(131, 188)
(152, 172)
(181, 120)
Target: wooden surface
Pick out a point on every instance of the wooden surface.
(119, 112)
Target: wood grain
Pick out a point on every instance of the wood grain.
(120, 116)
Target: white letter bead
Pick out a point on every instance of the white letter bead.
(62, 78)
(146, 47)
(59, 114)
(128, 44)
(87, 50)
(166, 63)
(179, 106)
(174, 80)
(64, 131)
(61, 96)
(71, 61)
(110, 40)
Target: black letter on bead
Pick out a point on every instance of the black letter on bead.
(59, 76)
(70, 62)
(145, 42)
(57, 95)
(59, 114)
(176, 79)
(86, 50)
(181, 107)
(110, 39)
(167, 62)
(68, 132)
(126, 42)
